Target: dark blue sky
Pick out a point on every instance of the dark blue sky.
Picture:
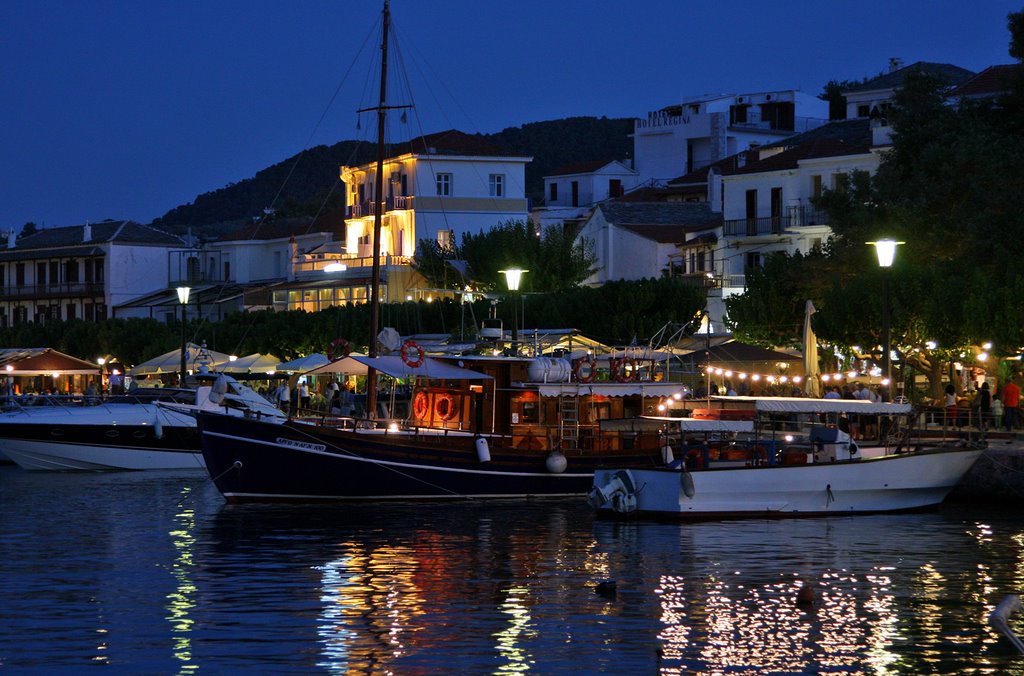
(126, 109)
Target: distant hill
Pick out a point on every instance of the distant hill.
(552, 144)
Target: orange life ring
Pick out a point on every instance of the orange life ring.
(409, 346)
(584, 376)
(620, 372)
(444, 406)
(340, 347)
(419, 405)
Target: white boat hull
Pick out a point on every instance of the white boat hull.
(50, 456)
(889, 484)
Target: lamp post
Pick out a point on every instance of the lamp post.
(183, 292)
(512, 278)
(886, 251)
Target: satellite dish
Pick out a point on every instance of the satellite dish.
(389, 339)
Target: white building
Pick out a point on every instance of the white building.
(446, 185)
(873, 97)
(571, 192)
(678, 139)
(636, 240)
(81, 271)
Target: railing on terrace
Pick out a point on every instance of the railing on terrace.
(774, 225)
(350, 263)
(53, 290)
(369, 208)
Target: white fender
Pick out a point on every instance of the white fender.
(483, 452)
(556, 462)
(158, 427)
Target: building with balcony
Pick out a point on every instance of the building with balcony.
(80, 271)
(687, 136)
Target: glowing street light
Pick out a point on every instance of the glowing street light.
(183, 293)
(886, 252)
(513, 276)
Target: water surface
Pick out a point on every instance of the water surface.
(150, 572)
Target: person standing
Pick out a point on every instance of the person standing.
(1011, 405)
(984, 406)
(303, 395)
(284, 396)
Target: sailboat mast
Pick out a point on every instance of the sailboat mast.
(378, 215)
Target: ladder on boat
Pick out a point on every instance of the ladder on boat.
(569, 418)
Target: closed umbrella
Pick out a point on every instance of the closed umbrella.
(812, 385)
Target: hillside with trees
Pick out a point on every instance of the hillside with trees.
(307, 183)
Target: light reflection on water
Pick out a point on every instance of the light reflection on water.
(153, 573)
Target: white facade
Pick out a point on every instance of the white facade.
(435, 197)
(572, 194)
(623, 253)
(676, 140)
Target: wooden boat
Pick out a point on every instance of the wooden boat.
(480, 427)
(785, 457)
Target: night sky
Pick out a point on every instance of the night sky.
(114, 109)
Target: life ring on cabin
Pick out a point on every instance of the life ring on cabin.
(444, 406)
(412, 346)
(420, 407)
(339, 347)
(584, 370)
(625, 370)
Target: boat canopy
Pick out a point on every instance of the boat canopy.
(704, 425)
(392, 365)
(802, 405)
(611, 389)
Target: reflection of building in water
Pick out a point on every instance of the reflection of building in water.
(181, 602)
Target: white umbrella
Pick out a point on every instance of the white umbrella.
(170, 362)
(253, 363)
(303, 364)
(812, 386)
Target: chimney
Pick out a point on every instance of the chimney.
(12, 238)
(895, 63)
(86, 233)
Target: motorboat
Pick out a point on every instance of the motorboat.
(149, 428)
(778, 456)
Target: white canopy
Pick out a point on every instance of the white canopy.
(170, 362)
(392, 365)
(703, 425)
(801, 405)
(304, 363)
(253, 363)
(611, 389)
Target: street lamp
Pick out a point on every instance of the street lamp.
(886, 251)
(512, 278)
(183, 292)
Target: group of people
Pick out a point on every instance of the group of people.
(993, 410)
(340, 399)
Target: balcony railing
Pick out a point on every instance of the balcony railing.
(67, 290)
(774, 225)
(355, 262)
(369, 208)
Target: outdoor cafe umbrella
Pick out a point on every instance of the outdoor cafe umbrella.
(812, 385)
(253, 363)
(170, 362)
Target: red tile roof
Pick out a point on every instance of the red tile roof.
(993, 80)
(789, 159)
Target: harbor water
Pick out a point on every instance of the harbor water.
(151, 572)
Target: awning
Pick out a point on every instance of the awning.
(253, 363)
(43, 361)
(393, 366)
(170, 362)
(611, 389)
(801, 405)
(704, 425)
(303, 364)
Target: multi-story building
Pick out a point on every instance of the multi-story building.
(81, 271)
(696, 132)
(873, 97)
(571, 192)
(446, 185)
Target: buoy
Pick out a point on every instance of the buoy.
(483, 452)
(805, 597)
(556, 462)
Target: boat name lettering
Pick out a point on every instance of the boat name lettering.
(301, 444)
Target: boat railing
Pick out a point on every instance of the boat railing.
(75, 402)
